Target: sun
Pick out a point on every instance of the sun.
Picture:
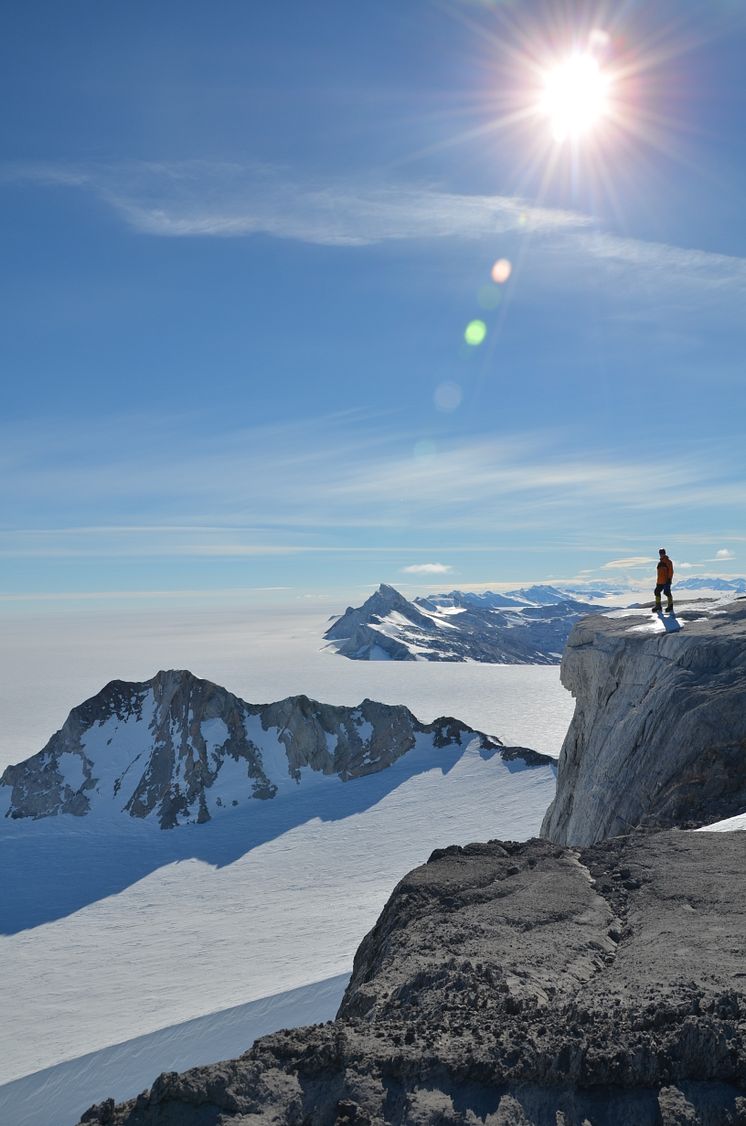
(575, 98)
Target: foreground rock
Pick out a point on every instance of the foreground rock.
(529, 628)
(179, 749)
(516, 985)
(659, 732)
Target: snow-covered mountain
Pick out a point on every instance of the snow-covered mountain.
(738, 586)
(527, 626)
(180, 749)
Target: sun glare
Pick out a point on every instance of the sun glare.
(575, 97)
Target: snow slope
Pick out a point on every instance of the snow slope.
(731, 824)
(58, 1095)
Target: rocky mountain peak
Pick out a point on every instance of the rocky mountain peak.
(180, 749)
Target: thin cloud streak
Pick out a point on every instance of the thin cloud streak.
(228, 200)
(104, 595)
(203, 199)
(633, 561)
(262, 500)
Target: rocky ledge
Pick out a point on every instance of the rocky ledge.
(659, 732)
(515, 985)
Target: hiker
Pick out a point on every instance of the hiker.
(663, 583)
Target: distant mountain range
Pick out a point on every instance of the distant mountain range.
(738, 586)
(178, 749)
(525, 626)
(528, 626)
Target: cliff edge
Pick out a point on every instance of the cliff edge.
(658, 737)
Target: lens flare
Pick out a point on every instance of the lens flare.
(475, 333)
(447, 397)
(501, 271)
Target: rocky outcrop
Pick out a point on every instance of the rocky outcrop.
(515, 985)
(179, 749)
(659, 732)
(529, 629)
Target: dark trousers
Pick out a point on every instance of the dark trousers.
(664, 588)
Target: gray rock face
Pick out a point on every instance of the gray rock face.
(458, 627)
(516, 985)
(178, 748)
(659, 732)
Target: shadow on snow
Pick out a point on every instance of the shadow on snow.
(57, 865)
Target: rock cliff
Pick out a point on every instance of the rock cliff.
(515, 985)
(659, 732)
(179, 749)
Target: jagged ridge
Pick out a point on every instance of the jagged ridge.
(179, 748)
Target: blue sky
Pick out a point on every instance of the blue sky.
(241, 246)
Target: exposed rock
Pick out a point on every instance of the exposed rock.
(659, 732)
(179, 748)
(531, 628)
(519, 985)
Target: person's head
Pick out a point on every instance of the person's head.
(661, 551)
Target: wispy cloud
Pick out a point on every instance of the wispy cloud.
(652, 262)
(427, 569)
(278, 490)
(229, 593)
(200, 198)
(631, 561)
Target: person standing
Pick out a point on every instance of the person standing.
(663, 582)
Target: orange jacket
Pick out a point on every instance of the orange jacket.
(665, 569)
